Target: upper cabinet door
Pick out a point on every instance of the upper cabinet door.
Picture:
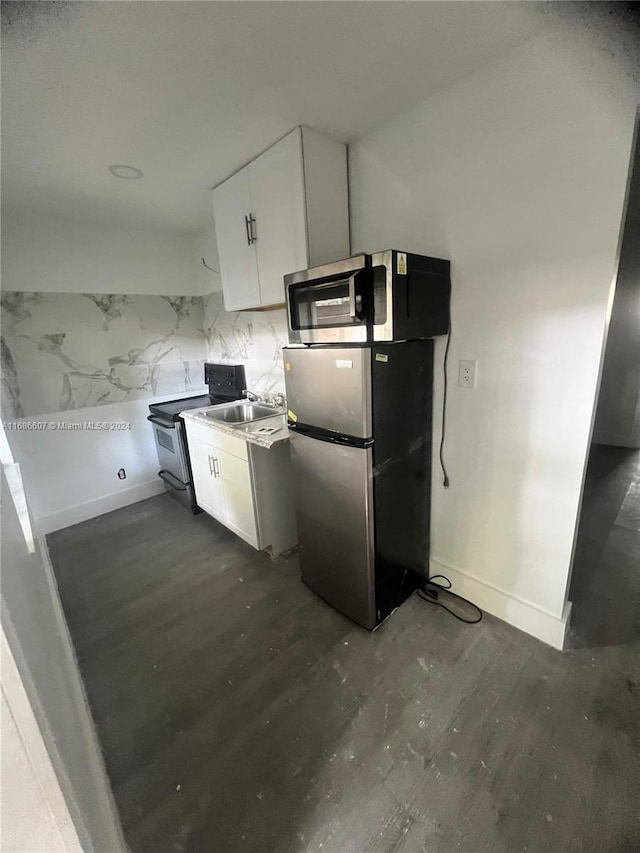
(232, 211)
(295, 196)
(276, 181)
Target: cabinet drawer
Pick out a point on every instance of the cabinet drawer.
(216, 438)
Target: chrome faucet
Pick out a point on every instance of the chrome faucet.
(276, 401)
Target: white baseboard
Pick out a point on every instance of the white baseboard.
(81, 512)
(515, 611)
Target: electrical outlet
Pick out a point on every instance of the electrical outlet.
(467, 374)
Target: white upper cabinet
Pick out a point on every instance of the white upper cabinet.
(277, 197)
(287, 210)
(238, 263)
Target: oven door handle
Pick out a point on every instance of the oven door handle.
(160, 422)
(172, 481)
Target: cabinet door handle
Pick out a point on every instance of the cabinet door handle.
(247, 225)
(254, 232)
(216, 470)
(211, 470)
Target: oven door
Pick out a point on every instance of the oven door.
(330, 304)
(170, 446)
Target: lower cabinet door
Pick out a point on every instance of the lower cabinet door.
(207, 478)
(240, 515)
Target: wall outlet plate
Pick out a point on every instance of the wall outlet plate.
(467, 373)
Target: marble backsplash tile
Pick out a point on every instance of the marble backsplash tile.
(254, 338)
(64, 351)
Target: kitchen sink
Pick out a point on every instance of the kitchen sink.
(241, 413)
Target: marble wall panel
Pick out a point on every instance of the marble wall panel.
(254, 338)
(64, 351)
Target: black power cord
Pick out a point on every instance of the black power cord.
(432, 591)
(445, 480)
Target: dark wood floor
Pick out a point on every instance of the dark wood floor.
(238, 712)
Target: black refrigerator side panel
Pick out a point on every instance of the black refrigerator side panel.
(421, 297)
(402, 392)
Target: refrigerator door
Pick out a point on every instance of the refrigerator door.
(330, 388)
(333, 487)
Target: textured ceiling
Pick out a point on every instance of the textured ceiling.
(190, 91)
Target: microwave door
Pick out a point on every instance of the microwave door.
(330, 388)
(329, 304)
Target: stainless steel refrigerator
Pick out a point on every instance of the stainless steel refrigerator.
(360, 428)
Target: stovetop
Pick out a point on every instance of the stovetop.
(171, 408)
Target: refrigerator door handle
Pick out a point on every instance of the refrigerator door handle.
(331, 437)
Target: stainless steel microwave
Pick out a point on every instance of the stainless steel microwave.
(385, 296)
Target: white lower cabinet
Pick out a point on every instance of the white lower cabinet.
(245, 487)
(239, 510)
(208, 487)
(223, 488)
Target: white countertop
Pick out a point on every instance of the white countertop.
(264, 432)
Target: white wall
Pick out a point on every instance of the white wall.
(33, 813)
(51, 253)
(71, 475)
(47, 672)
(205, 245)
(517, 174)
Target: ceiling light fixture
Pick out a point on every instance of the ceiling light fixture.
(129, 173)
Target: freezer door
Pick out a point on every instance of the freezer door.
(334, 509)
(330, 387)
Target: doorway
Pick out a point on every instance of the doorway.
(605, 583)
